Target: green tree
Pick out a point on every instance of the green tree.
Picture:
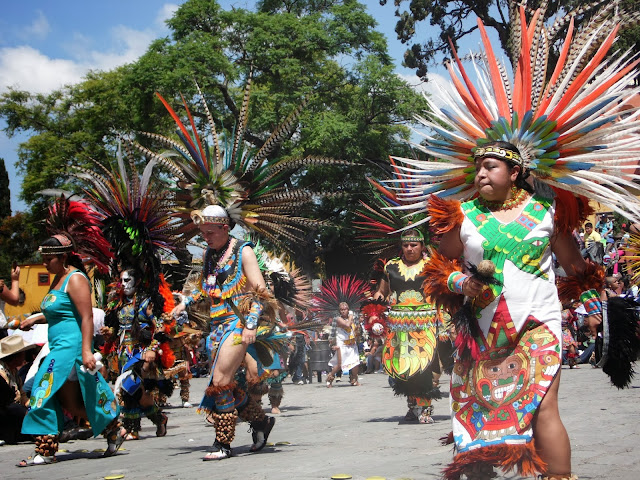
(5, 192)
(326, 52)
(455, 20)
(19, 239)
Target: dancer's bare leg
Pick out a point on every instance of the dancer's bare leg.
(552, 441)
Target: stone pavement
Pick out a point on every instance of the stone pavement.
(350, 430)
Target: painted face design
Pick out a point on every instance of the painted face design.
(128, 283)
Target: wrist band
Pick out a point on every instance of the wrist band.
(591, 301)
(251, 322)
(455, 281)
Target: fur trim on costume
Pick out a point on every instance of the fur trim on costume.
(570, 288)
(210, 391)
(445, 214)
(437, 271)
(571, 211)
(506, 457)
(619, 346)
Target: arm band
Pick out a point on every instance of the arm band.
(455, 281)
(591, 301)
(251, 320)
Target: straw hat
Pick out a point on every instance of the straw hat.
(13, 344)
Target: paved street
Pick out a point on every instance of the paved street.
(357, 431)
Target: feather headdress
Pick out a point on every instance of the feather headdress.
(380, 219)
(568, 127)
(78, 221)
(290, 285)
(334, 291)
(135, 214)
(248, 182)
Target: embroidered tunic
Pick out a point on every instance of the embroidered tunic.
(413, 326)
(346, 342)
(223, 284)
(494, 399)
(45, 415)
(128, 346)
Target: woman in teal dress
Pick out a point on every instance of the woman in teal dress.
(67, 378)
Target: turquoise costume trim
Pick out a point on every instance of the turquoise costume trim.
(224, 322)
(45, 415)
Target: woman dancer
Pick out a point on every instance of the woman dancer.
(66, 378)
(504, 387)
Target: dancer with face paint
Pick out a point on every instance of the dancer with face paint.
(137, 355)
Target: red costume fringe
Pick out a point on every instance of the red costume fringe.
(437, 271)
(445, 214)
(506, 457)
(570, 288)
(571, 211)
(167, 357)
(448, 440)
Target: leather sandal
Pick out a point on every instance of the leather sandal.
(37, 460)
(219, 452)
(261, 435)
(115, 442)
(330, 378)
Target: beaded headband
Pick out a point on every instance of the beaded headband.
(65, 246)
(200, 219)
(417, 237)
(211, 214)
(497, 152)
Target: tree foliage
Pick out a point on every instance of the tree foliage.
(5, 192)
(454, 20)
(326, 52)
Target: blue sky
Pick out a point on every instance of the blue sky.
(45, 44)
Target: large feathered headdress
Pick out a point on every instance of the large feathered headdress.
(289, 285)
(135, 213)
(248, 182)
(78, 222)
(568, 127)
(380, 219)
(334, 291)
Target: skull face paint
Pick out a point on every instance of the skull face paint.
(128, 282)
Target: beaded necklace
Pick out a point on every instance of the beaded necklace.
(215, 261)
(518, 195)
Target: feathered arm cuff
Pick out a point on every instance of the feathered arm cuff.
(584, 286)
(445, 214)
(436, 285)
(195, 296)
(571, 211)
(258, 305)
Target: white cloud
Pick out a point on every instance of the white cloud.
(128, 45)
(39, 28)
(165, 13)
(27, 69)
